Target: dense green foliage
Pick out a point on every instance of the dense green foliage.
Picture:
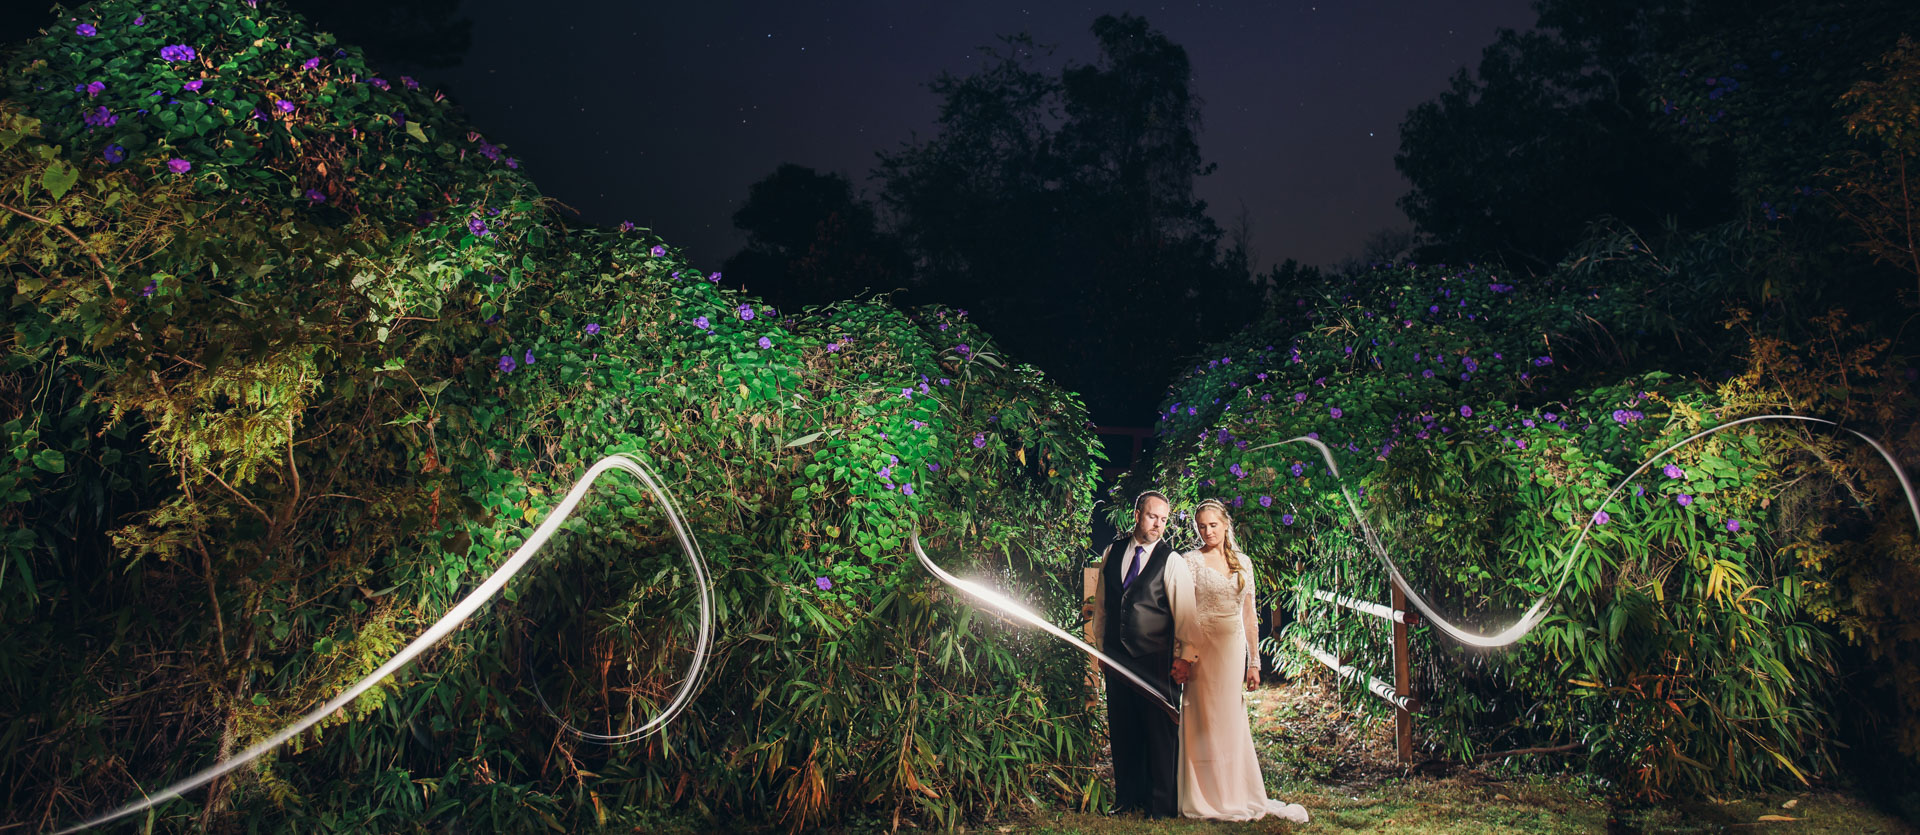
(1684, 651)
(1747, 635)
(292, 358)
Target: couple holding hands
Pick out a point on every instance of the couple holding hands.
(1185, 624)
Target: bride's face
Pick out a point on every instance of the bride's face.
(1213, 528)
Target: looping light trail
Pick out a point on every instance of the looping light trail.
(1008, 606)
(1538, 611)
(458, 615)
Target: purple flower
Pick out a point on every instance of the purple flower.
(1266, 501)
(1542, 362)
(91, 88)
(1683, 500)
(745, 312)
(658, 251)
(1298, 469)
(101, 117)
(1639, 490)
(907, 489)
(1299, 397)
(1733, 526)
(979, 440)
(765, 342)
(1673, 471)
(409, 82)
(1286, 518)
(380, 83)
(833, 347)
(963, 349)
(702, 323)
(1237, 471)
(152, 286)
(176, 52)
(529, 357)
(283, 105)
(907, 393)
(316, 196)
(1335, 411)
(626, 226)
(194, 85)
(1600, 517)
(179, 166)
(513, 163)
(715, 278)
(140, 21)
(478, 227)
(506, 364)
(946, 381)
(1466, 411)
(86, 30)
(1428, 373)
(113, 154)
(593, 328)
(311, 63)
(934, 466)
(885, 473)
(1470, 364)
(823, 583)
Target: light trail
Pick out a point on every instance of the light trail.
(1012, 608)
(458, 615)
(1538, 611)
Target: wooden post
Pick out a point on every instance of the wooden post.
(1089, 580)
(1402, 679)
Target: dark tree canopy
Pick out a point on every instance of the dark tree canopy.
(1061, 210)
(810, 240)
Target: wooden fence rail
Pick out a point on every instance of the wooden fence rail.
(1400, 693)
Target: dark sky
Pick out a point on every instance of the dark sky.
(663, 114)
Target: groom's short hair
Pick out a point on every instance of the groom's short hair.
(1140, 501)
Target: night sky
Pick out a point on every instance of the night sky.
(663, 114)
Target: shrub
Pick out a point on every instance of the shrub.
(295, 356)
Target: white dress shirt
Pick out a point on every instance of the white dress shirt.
(1179, 595)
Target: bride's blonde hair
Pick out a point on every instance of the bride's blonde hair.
(1229, 546)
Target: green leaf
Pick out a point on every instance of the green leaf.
(803, 440)
(50, 460)
(59, 177)
(413, 130)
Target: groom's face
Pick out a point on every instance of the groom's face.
(1151, 519)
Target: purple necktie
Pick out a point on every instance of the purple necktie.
(1133, 570)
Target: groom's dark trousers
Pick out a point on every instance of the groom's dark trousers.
(1139, 627)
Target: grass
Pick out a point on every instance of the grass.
(1340, 765)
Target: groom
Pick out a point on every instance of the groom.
(1142, 608)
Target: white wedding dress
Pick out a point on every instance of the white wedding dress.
(1219, 772)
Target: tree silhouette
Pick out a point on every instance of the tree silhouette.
(810, 240)
(1061, 210)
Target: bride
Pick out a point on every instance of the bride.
(1219, 774)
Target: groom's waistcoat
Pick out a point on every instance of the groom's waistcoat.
(1140, 617)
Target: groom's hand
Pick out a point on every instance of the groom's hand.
(1182, 669)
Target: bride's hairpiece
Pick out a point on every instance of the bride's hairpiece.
(1230, 547)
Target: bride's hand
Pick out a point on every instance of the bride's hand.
(1253, 678)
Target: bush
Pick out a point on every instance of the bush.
(294, 357)
(1691, 647)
